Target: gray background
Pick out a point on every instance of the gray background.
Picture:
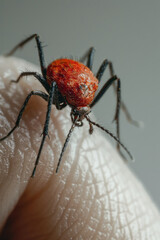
(124, 31)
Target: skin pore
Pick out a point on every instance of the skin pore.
(93, 196)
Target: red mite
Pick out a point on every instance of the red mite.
(70, 82)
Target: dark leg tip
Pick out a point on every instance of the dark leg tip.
(57, 168)
(33, 173)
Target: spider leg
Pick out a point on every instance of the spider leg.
(101, 70)
(38, 93)
(89, 55)
(65, 145)
(112, 135)
(100, 94)
(36, 75)
(46, 125)
(123, 105)
(40, 51)
(58, 99)
(100, 73)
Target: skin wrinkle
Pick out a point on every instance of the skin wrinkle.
(67, 230)
(86, 219)
(62, 196)
(98, 226)
(138, 219)
(77, 149)
(118, 215)
(105, 192)
(108, 222)
(97, 192)
(137, 214)
(72, 191)
(71, 197)
(74, 166)
(64, 212)
(70, 228)
(109, 202)
(106, 195)
(68, 204)
(121, 224)
(116, 191)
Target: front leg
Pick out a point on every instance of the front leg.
(40, 78)
(46, 126)
(101, 93)
(40, 51)
(89, 55)
(38, 93)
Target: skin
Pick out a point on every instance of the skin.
(93, 196)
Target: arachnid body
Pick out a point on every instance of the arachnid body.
(70, 82)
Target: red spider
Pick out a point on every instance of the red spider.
(70, 82)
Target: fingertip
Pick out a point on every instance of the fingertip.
(92, 194)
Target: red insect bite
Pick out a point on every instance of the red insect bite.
(75, 81)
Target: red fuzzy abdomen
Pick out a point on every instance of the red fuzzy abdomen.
(75, 81)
